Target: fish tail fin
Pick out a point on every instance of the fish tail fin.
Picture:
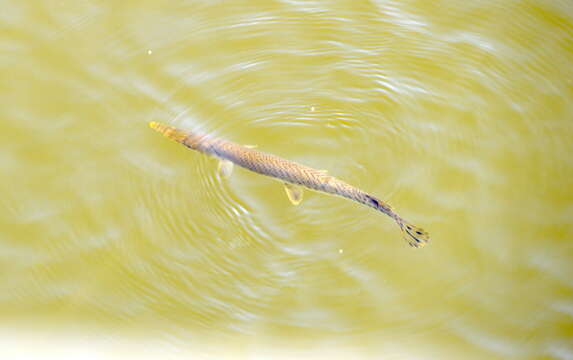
(169, 132)
(414, 235)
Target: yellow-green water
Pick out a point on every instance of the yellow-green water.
(459, 114)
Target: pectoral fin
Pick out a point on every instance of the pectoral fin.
(225, 169)
(294, 193)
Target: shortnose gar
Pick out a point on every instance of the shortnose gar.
(293, 175)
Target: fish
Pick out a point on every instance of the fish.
(294, 176)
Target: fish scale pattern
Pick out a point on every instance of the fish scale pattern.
(292, 172)
(289, 172)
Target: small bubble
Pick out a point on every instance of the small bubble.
(340, 251)
(149, 52)
(312, 108)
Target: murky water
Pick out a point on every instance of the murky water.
(459, 114)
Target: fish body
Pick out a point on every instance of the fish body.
(289, 172)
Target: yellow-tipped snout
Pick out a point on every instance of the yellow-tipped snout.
(168, 131)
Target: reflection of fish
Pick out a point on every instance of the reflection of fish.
(293, 175)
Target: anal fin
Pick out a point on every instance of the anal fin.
(294, 193)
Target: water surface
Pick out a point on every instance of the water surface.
(458, 114)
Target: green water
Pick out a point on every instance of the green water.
(115, 240)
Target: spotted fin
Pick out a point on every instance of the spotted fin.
(294, 193)
(225, 169)
(414, 236)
